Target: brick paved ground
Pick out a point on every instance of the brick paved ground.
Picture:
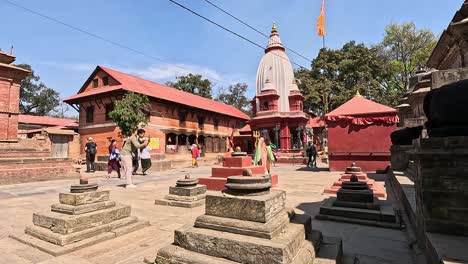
(304, 192)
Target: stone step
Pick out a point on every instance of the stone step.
(67, 224)
(378, 193)
(57, 250)
(330, 251)
(62, 240)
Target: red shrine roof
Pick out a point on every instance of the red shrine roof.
(47, 121)
(138, 85)
(316, 122)
(359, 105)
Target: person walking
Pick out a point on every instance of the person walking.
(195, 155)
(90, 150)
(145, 155)
(131, 145)
(312, 153)
(114, 159)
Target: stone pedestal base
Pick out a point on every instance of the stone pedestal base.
(441, 185)
(80, 220)
(188, 197)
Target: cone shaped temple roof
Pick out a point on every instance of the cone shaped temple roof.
(359, 105)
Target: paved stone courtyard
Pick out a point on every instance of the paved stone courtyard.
(304, 188)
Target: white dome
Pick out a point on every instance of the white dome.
(276, 67)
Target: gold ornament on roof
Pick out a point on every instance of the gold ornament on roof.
(273, 28)
(358, 94)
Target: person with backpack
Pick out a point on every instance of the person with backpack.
(312, 153)
(90, 150)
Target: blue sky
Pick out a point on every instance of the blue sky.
(64, 58)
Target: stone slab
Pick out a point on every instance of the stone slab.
(363, 196)
(217, 183)
(251, 208)
(385, 214)
(246, 249)
(84, 198)
(66, 224)
(185, 198)
(188, 191)
(178, 203)
(249, 228)
(62, 240)
(81, 209)
(57, 250)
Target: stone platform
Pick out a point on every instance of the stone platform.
(187, 193)
(251, 226)
(79, 220)
(232, 166)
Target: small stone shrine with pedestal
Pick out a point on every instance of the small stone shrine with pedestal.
(377, 189)
(186, 193)
(355, 203)
(84, 217)
(247, 223)
(233, 166)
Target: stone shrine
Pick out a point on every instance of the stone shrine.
(233, 166)
(84, 217)
(247, 223)
(355, 203)
(186, 193)
(377, 189)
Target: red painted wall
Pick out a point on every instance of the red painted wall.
(368, 146)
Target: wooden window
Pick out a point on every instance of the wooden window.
(201, 122)
(265, 105)
(109, 108)
(95, 83)
(215, 123)
(182, 117)
(89, 114)
(105, 80)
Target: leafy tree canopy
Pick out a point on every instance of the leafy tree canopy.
(130, 112)
(193, 83)
(35, 97)
(235, 96)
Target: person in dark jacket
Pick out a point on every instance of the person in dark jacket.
(90, 150)
(312, 153)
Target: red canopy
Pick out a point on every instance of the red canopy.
(361, 111)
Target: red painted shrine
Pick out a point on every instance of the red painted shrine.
(359, 131)
(233, 166)
(277, 106)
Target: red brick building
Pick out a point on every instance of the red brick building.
(177, 119)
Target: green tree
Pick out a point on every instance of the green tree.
(130, 112)
(35, 97)
(407, 48)
(235, 96)
(193, 83)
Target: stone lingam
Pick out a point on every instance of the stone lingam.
(355, 203)
(186, 193)
(82, 218)
(246, 223)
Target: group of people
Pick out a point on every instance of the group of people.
(135, 150)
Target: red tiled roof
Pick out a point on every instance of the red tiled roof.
(315, 122)
(246, 128)
(47, 121)
(134, 84)
(359, 105)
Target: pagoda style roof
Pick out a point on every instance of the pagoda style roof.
(130, 83)
(359, 105)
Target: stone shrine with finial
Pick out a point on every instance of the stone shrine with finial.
(246, 223)
(186, 193)
(83, 217)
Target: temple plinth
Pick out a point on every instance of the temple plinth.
(187, 193)
(247, 223)
(233, 166)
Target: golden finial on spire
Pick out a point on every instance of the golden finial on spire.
(358, 94)
(273, 28)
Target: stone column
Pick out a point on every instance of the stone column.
(277, 140)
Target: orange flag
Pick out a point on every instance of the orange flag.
(321, 21)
